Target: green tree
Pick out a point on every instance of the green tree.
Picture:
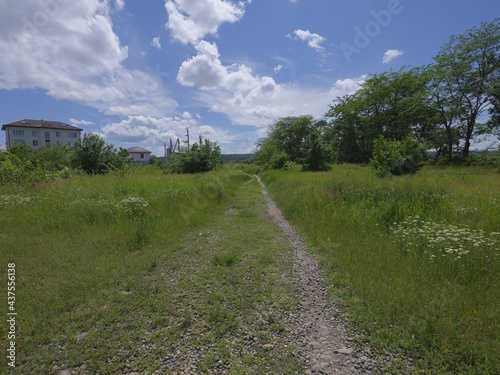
(197, 159)
(494, 122)
(289, 134)
(52, 159)
(94, 156)
(397, 157)
(315, 157)
(391, 104)
(294, 139)
(269, 156)
(467, 67)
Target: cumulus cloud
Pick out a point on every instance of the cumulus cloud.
(156, 42)
(391, 54)
(189, 21)
(147, 130)
(313, 40)
(70, 50)
(206, 71)
(249, 99)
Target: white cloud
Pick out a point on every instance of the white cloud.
(249, 99)
(313, 40)
(70, 50)
(278, 68)
(155, 131)
(156, 42)
(391, 54)
(189, 21)
(80, 122)
(119, 4)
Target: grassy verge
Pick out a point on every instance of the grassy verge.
(141, 272)
(419, 257)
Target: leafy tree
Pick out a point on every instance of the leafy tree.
(22, 151)
(494, 122)
(269, 156)
(297, 140)
(155, 160)
(467, 67)
(94, 156)
(199, 158)
(391, 104)
(52, 159)
(315, 156)
(397, 157)
(289, 134)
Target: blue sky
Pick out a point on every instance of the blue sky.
(140, 72)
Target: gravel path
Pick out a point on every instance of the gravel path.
(323, 342)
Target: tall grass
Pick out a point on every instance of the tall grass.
(79, 241)
(419, 256)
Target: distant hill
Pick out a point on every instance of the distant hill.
(237, 158)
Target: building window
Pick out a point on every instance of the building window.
(58, 134)
(18, 132)
(142, 156)
(47, 135)
(72, 135)
(59, 143)
(18, 141)
(35, 143)
(34, 133)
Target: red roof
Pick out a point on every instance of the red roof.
(41, 124)
(138, 149)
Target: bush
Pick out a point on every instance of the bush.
(94, 156)
(270, 157)
(397, 157)
(200, 158)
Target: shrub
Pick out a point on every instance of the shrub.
(397, 157)
(199, 158)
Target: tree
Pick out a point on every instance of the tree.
(269, 156)
(467, 67)
(397, 157)
(315, 156)
(288, 134)
(296, 139)
(52, 159)
(94, 156)
(199, 158)
(494, 122)
(391, 104)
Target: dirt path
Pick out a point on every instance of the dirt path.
(323, 340)
(240, 295)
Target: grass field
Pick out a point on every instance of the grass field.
(418, 257)
(133, 273)
(119, 273)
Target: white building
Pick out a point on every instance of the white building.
(139, 155)
(41, 133)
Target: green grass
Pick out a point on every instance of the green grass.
(120, 272)
(418, 257)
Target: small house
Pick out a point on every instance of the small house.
(139, 155)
